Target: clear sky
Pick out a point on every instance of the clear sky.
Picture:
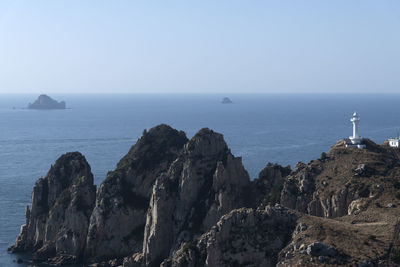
(215, 46)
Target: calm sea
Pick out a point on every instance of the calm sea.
(259, 128)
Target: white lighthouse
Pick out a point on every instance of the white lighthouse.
(355, 140)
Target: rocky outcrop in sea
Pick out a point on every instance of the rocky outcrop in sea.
(57, 221)
(46, 102)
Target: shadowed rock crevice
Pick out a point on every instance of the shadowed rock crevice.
(266, 189)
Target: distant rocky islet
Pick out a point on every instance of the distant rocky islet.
(46, 102)
(226, 100)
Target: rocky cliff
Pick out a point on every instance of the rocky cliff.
(61, 204)
(356, 195)
(244, 237)
(266, 188)
(178, 202)
(204, 183)
(340, 182)
(118, 219)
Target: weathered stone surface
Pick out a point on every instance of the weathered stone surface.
(321, 249)
(61, 204)
(204, 183)
(304, 193)
(363, 170)
(331, 207)
(266, 189)
(136, 260)
(244, 237)
(299, 193)
(118, 219)
(299, 188)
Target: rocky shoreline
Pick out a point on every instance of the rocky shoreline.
(172, 201)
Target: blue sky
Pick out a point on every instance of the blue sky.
(222, 46)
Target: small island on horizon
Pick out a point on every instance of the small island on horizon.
(46, 102)
(226, 100)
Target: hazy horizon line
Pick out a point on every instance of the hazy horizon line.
(201, 93)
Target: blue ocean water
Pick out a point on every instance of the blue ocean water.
(260, 128)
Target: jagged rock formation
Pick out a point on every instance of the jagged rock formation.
(359, 189)
(299, 187)
(244, 237)
(174, 202)
(204, 183)
(266, 189)
(335, 185)
(300, 192)
(46, 102)
(117, 223)
(61, 204)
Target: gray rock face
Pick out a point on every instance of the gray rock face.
(61, 205)
(266, 189)
(46, 102)
(299, 193)
(335, 206)
(118, 219)
(204, 183)
(363, 170)
(244, 237)
(299, 188)
(321, 249)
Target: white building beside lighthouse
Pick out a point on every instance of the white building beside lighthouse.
(356, 139)
(394, 142)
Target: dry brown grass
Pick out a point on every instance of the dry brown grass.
(371, 234)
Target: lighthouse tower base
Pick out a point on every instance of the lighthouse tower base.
(351, 142)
